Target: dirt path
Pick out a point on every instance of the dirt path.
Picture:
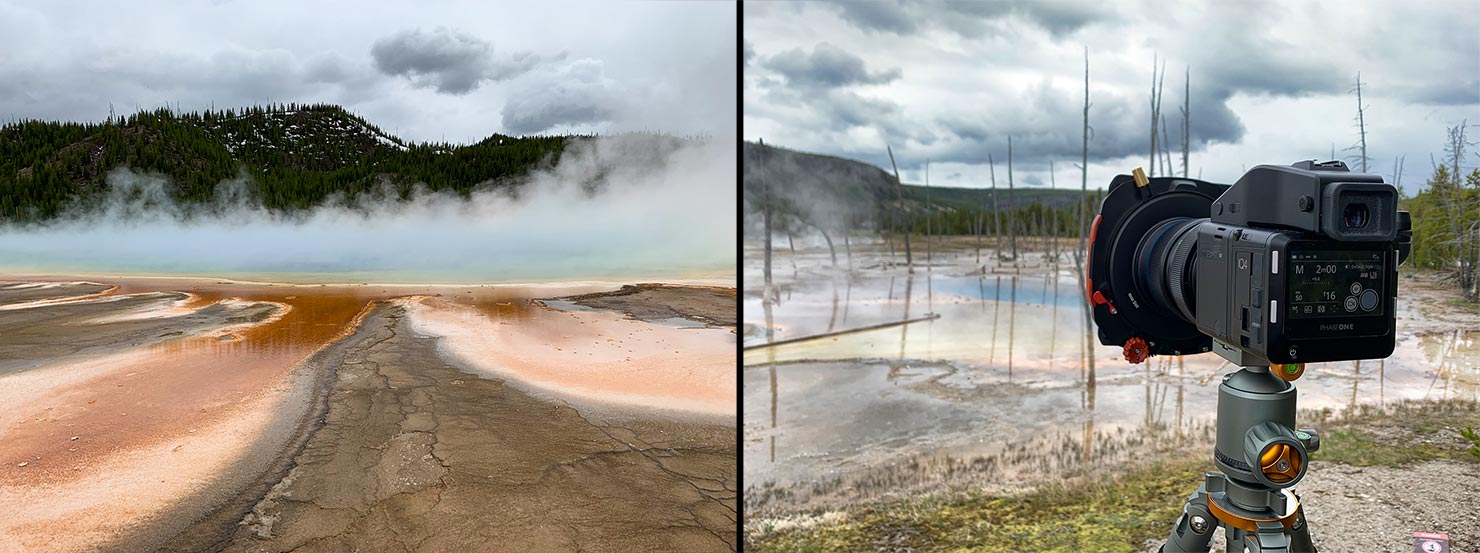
(415, 455)
(1361, 509)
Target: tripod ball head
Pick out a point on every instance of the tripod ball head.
(1256, 441)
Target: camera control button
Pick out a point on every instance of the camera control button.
(1351, 303)
(1369, 300)
(1356, 288)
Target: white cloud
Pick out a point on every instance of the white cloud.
(1269, 82)
(69, 62)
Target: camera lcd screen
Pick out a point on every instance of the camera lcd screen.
(1336, 283)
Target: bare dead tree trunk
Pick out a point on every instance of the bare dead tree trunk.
(1398, 173)
(765, 213)
(899, 186)
(1458, 211)
(1186, 118)
(1362, 122)
(1361, 145)
(1160, 88)
(1084, 165)
(890, 234)
(996, 211)
(1058, 225)
(929, 216)
(1043, 219)
(791, 244)
(1053, 215)
(1457, 151)
(1011, 204)
(830, 248)
(1166, 151)
(980, 222)
(1152, 168)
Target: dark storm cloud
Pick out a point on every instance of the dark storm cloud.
(822, 80)
(827, 66)
(1046, 126)
(577, 94)
(969, 18)
(889, 16)
(1044, 121)
(449, 61)
(851, 110)
(1268, 81)
(1457, 92)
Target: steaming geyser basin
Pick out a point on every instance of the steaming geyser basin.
(184, 413)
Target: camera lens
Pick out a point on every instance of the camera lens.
(1356, 215)
(1166, 266)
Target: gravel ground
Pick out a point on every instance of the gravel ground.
(1367, 509)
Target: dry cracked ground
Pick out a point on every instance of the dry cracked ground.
(402, 449)
(416, 455)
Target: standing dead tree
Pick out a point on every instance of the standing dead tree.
(981, 221)
(765, 213)
(830, 250)
(1457, 211)
(929, 215)
(1166, 151)
(1052, 248)
(1398, 173)
(996, 212)
(1084, 166)
(1163, 157)
(1155, 114)
(1011, 204)
(909, 258)
(1361, 146)
(1186, 117)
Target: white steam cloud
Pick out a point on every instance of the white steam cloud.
(655, 212)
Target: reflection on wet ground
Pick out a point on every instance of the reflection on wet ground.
(999, 390)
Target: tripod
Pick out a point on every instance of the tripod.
(1261, 457)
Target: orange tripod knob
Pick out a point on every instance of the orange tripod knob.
(1288, 371)
(1136, 350)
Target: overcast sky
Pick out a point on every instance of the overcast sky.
(1270, 82)
(423, 70)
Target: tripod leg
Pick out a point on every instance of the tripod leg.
(1273, 537)
(1270, 537)
(1194, 530)
(1300, 534)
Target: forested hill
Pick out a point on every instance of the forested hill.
(295, 156)
(831, 193)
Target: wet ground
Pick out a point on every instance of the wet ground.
(182, 413)
(999, 392)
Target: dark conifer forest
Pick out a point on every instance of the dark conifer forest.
(291, 156)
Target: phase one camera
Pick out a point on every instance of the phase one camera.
(1289, 265)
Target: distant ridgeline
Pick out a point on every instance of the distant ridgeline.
(295, 156)
(827, 193)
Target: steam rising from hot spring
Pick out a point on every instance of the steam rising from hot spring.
(620, 207)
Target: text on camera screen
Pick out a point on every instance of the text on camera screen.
(1335, 283)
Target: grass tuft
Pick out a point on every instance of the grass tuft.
(1120, 513)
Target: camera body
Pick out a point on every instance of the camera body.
(1290, 264)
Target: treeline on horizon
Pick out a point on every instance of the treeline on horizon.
(1446, 212)
(293, 157)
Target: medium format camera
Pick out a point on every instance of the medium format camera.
(1289, 265)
